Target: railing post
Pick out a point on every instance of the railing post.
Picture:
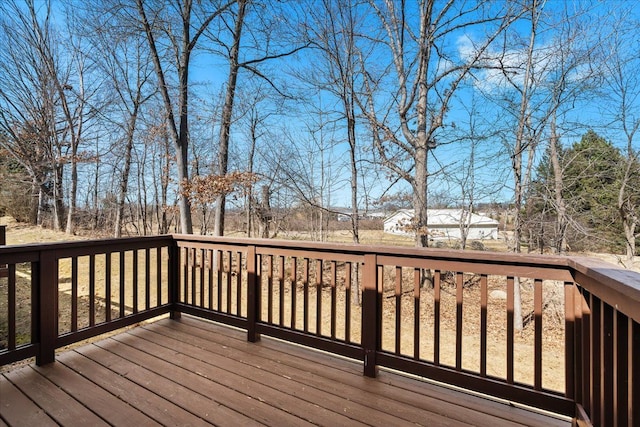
(174, 279)
(47, 309)
(253, 295)
(370, 314)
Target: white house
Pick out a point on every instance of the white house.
(443, 224)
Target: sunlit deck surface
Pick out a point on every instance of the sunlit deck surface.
(193, 372)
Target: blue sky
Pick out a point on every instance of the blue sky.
(485, 96)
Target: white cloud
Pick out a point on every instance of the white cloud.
(505, 67)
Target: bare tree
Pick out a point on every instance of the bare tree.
(427, 76)
(622, 92)
(265, 26)
(124, 61)
(475, 176)
(44, 99)
(183, 41)
(256, 103)
(335, 29)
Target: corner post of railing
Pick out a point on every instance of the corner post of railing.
(47, 306)
(174, 279)
(370, 314)
(253, 295)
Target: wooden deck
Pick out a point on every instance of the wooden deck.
(192, 372)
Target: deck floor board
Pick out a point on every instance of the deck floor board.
(193, 372)
(53, 400)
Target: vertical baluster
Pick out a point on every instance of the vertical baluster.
(210, 278)
(569, 334)
(596, 372)
(74, 294)
(333, 299)
(510, 326)
(203, 268)
(159, 276)
(537, 346)
(436, 317)
(586, 351)
(185, 274)
(147, 278)
(459, 298)
(258, 287)
(319, 268)
(634, 384)
(483, 324)
(35, 302)
(92, 290)
(229, 281)
(121, 277)
(398, 298)
(305, 295)
(577, 369)
(416, 313)
(193, 264)
(270, 289)
(135, 281)
(347, 297)
(239, 285)
(107, 286)
(607, 365)
(11, 291)
(219, 279)
(294, 290)
(621, 368)
(281, 290)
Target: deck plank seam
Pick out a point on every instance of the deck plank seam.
(80, 354)
(247, 377)
(390, 399)
(327, 360)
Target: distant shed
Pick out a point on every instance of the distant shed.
(443, 224)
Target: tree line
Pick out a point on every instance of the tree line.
(150, 116)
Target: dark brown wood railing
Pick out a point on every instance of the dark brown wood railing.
(445, 315)
(57, 287)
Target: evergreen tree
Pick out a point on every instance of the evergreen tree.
(592, 171)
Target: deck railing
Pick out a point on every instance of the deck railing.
(442, 314)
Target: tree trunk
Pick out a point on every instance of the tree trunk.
(227, 111)
(34, 208)
(265, 213)
(420, 198)
(124, 179)
(58, 201)
(558, 182)
(629, 221)
(73, 194)
(179, 134)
